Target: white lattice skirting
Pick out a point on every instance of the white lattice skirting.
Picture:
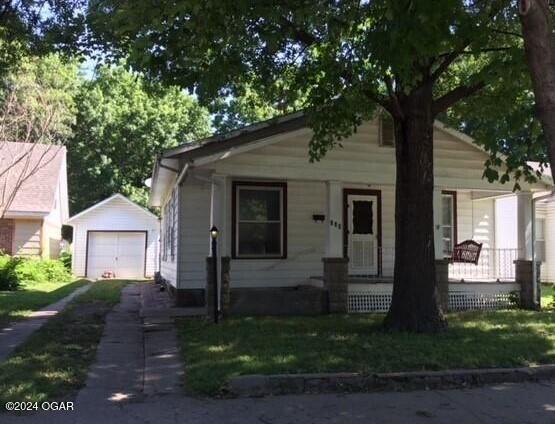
(479, 296)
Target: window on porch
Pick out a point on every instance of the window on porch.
(540, 239)
(259, 220)
(449, 222)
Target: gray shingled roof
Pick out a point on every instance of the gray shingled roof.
(39, 165)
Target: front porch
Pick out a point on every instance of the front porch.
(353, 234)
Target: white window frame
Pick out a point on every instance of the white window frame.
(540, 222)
(453, 224)
(382, 119)
(282, 206)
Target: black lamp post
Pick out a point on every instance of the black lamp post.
(214, 236)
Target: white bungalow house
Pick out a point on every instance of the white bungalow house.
(279, 216)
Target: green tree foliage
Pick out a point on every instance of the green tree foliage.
(122, 124)
(37, 27)
(38, 101)
(502, 119)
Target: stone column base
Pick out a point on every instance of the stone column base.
(442, 280)
(336, 281)
(225, 281)
(210, 279)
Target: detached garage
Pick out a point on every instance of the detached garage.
(116, 236)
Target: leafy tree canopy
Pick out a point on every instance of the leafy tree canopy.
(336, 60)
(36, 27)
(38, 101)
(122, 123)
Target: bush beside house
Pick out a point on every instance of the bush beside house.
(15, 271)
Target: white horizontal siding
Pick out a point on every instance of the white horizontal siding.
(305, 243)
(168, 265)
(194, 207)
(361, 163)
(27, 237)
(116, 215)
(475, 220)
(548, 271)
(360, 160)
(305, 238)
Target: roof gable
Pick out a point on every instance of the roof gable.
(249, 137)
(106, 202)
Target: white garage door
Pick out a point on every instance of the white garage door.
(122, 253)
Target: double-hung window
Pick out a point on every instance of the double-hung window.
(449, 222)
(540, 239)
(259, 220)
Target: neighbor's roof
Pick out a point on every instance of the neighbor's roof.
(30, 173)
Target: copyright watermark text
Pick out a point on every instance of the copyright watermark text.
(39, 406)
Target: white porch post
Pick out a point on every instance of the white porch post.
(438, 233)
(524, 225)
(335, 265)
(334, 240)
(218, 213)
(442, 264)
(218, 218)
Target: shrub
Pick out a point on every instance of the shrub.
(8, 275)
(15, 270)
(65, 258)
(40, 271)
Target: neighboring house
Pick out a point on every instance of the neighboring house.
(291, 227)
(115, 236)
(33, 186)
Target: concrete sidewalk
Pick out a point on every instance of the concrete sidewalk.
(15, 334)
(523, 403)
(138, 354)
(117, 373)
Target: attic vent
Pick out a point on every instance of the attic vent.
(387, 131)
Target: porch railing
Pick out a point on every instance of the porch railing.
(493, 265)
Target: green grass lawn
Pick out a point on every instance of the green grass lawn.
(54, 362)
(239, 346)
(32, 297)
(548, 293)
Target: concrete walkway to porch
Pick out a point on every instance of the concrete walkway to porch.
(138, 354)
(17, 333)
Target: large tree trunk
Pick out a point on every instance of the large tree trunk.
(539, 46)
(414, 305)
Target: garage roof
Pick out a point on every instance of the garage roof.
(108, 200)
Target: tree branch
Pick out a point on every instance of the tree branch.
(445, 63)
(395, 107)
(449, 58)
(484, 50)
(450, 98)
(506, 32)
(299, 34)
